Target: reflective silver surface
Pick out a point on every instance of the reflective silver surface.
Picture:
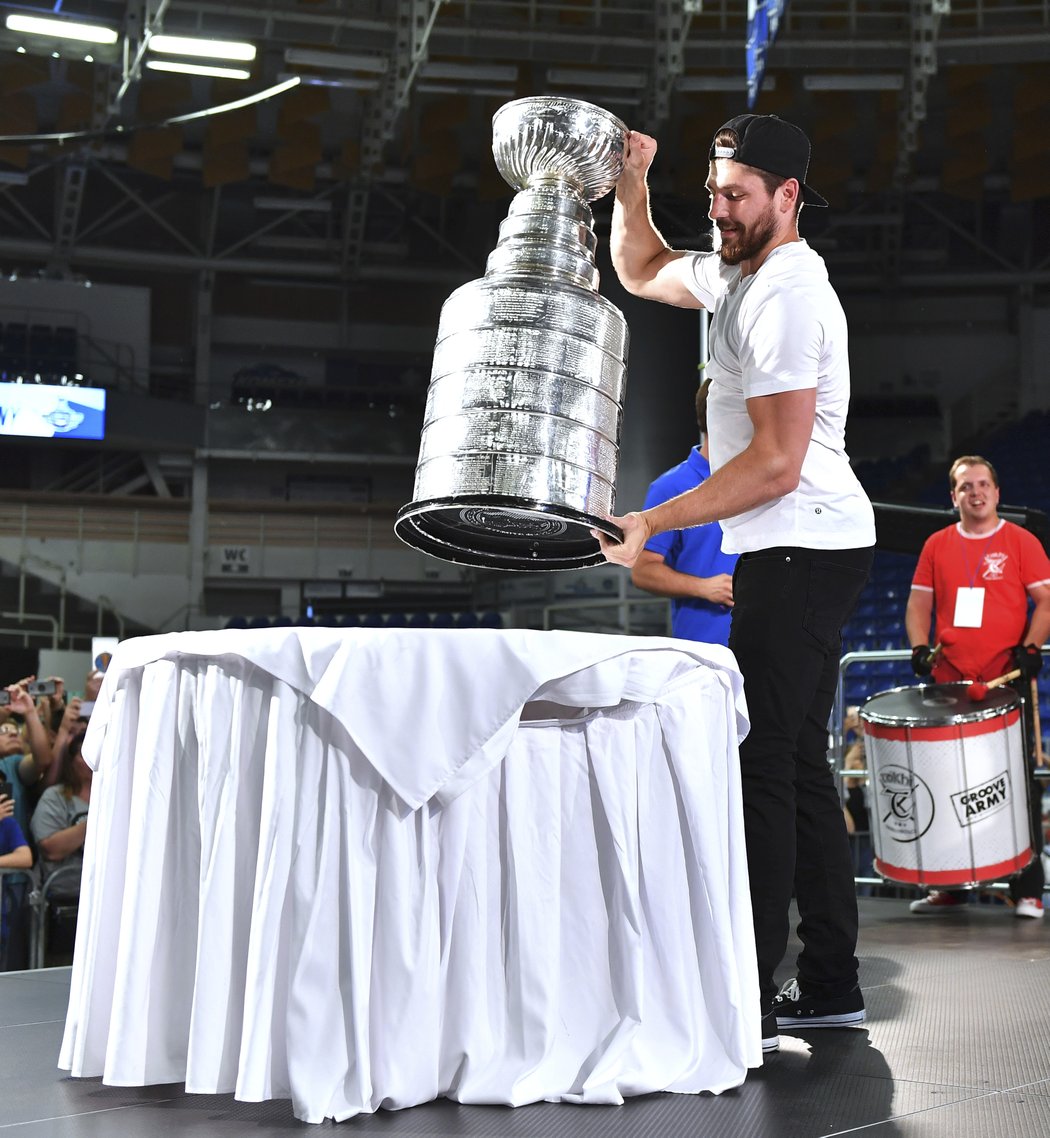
(520, 441)
(568, 140)
(936, 705)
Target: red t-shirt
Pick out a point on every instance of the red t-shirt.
(1005, 563)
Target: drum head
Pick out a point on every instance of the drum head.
(935, 705)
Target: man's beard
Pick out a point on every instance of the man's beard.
(751, 241)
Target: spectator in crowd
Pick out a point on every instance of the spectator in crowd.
(856, 797)
(75, 715)
(14, 849)
(688, 565)
(14, 855)
(24, 758)
(976, 577)
(59, 821)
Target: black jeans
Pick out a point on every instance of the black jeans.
(789, 608)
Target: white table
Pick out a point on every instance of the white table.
(368, 868)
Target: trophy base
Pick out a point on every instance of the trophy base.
(500, 531)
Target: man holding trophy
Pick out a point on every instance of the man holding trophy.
(792, 508)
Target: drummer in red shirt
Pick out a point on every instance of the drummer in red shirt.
(978, 576)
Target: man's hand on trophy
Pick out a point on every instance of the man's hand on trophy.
(641, 150)
(635, 534)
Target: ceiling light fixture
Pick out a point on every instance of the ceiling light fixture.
(60, 29)
(484, 90)
(337, 61)
(202, 48)
(345, 82)
(197, 69)
(293, 205)
(852, 82)
(721, 83)
(483, 72)
(580, 77)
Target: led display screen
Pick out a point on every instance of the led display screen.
(48, 411)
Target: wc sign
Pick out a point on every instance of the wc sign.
(235, 560)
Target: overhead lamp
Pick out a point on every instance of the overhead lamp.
(344, 82)
(197, 69)
(852, 82)
(335, 60)
(581, 77)
(721, 83)
(60, 29)
(298, 205)
(202, 48)
(482, 72)
(464, 89)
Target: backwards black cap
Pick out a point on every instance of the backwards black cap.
(771, 144)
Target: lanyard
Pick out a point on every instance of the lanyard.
(980, 557)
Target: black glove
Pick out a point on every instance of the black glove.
(922, 660)
(1029, 658)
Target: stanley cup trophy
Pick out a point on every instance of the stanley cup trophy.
(520, 442)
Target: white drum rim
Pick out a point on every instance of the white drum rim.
(975, 716)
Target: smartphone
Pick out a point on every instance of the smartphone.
(5, 789)
(41, 687)
(87, 706)
(5, 698)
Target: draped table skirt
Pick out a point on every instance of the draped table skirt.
(368, 868)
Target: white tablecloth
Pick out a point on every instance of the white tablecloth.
(368, 868)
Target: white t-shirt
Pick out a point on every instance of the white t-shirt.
(782, 329)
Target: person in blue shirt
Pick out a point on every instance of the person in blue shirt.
(688, 565)
(14, 854)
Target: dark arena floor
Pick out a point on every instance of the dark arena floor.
(956, 1045)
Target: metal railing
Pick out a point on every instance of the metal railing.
(622, 609)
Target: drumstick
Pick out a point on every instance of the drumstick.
(1036, 729)
(978, 690)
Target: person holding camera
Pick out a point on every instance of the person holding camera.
(59, 822)
(24, 759)
(74, 721)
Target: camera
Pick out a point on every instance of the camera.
(41, 687)
(87, 706)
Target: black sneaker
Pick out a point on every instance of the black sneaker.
(770, 1035)
(792, 1009)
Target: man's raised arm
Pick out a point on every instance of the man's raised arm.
(643, 261)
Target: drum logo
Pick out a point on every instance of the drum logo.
(982, 800)
(905, 804)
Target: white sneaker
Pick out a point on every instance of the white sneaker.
(1029, 907)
